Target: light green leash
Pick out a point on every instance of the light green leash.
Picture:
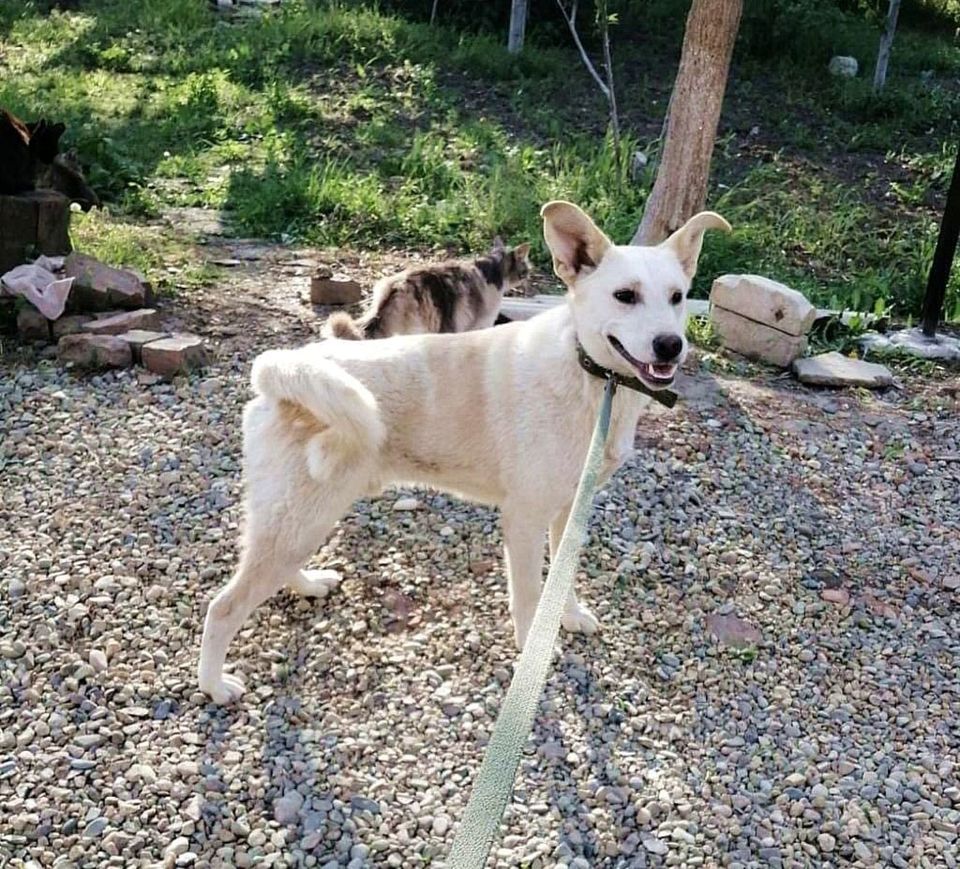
(494, 784)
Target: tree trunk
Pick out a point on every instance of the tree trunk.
(886, 46)
(518, 26)
(680, 190)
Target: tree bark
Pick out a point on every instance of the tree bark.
(518, 26)
(680, 190)
(886, 46)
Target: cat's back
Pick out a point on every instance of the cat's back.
(451, 296)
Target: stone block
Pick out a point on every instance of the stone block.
(334, 290)
(174, 355)
(766, 301)
(755, 340)
(94, 351)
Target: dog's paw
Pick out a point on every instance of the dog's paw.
(316, 583)
(521, 628)
(579, 619)
(227, 690)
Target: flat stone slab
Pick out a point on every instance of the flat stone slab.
(97, 286)
(145, 318)
(835, 369)
(765, 301)
(914, 342)
(94, 351)
(756, 340)
(177, 354)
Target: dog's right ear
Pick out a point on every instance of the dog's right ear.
(574, 240)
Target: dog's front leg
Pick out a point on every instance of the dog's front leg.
(523, 539)
(576, 617)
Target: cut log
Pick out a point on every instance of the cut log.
(33, 223)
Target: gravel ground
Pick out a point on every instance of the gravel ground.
(817, 534)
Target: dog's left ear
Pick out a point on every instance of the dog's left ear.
(521, 251)
(574, 240)
(687, 241)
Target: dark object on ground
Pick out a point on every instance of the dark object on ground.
(501, 319)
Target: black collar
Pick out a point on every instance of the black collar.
(666, 397)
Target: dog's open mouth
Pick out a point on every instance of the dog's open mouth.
(658, 375)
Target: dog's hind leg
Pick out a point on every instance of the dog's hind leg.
(279, 540)
(523, 541)
(576, 617)
(259, 576)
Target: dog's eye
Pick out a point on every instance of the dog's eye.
(676, 298)
(628, 297)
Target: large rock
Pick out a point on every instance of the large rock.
(842, 66)
(177, 354)
(94, 351)
(766, 301)
(32, 325)
(756, 340)
(97, 286)
(145, 318)
(138, 339)
(835, 369)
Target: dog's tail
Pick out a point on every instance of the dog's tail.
(341, 325)
(340, 402)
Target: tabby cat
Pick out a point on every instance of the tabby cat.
(453, 296)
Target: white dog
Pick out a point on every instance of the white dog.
(502, 416)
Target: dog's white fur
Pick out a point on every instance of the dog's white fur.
(502, 416)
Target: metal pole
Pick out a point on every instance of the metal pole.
(943, 256)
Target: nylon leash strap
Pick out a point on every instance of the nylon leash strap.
(494, 784)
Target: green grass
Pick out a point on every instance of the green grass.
(341, 125)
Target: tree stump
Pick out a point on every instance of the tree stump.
(33, 223)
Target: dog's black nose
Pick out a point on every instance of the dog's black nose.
(667, 347)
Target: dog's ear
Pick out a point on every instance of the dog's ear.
(574, 240)
(687, 241)
(521, 251)
(498, 245)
